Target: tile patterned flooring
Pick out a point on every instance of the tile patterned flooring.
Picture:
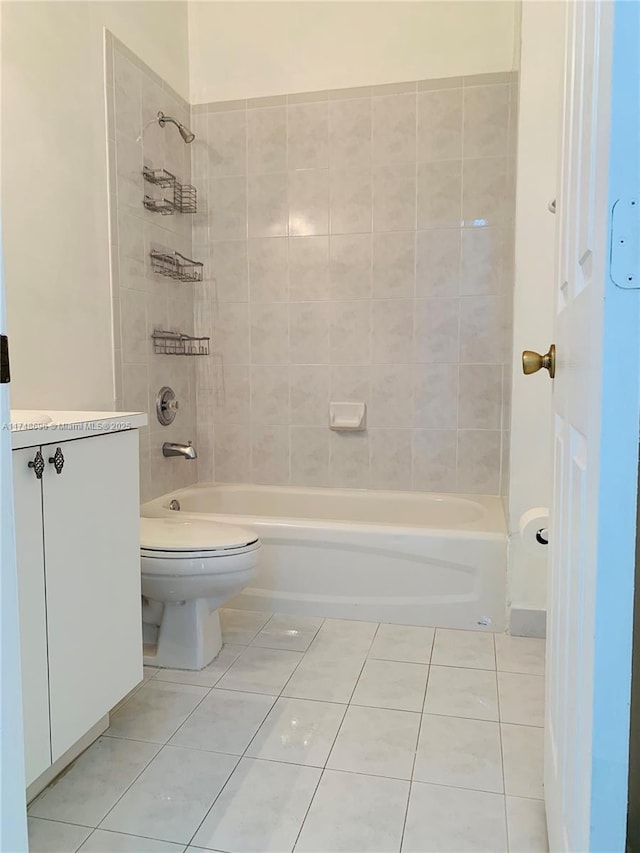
(318, 735)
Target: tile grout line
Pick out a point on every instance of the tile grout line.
(504, 780)
(348, 705)
(243, 755)
(415, 755)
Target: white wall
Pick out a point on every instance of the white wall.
(243, 50)
(538, 145)
(54, 187)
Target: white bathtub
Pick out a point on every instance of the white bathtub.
(403, 557)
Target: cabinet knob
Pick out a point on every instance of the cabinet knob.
(37, 464)
(57, 460)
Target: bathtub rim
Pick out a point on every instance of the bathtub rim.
(157, 507)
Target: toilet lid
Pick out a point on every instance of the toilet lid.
(189, 534)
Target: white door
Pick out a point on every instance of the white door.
(13, 810)
(27, 492)
(92, 557)
(595, 401)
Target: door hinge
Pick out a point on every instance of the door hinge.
(5, 375)
(624, 249)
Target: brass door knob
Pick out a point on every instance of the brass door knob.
(532, 362)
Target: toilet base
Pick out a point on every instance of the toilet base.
(189, 636)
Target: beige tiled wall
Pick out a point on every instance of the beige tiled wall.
(142, 300)
(359, 247)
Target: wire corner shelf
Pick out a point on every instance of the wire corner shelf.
(178, 343)
(176, 266)
(185, 196)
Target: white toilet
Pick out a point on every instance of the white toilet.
(189, 569)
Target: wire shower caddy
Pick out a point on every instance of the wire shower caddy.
(183, 198)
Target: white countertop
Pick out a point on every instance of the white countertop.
(34, 427)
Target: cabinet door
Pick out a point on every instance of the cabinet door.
(27, 493)
(92, 552)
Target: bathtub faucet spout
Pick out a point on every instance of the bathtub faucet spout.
(187, 451)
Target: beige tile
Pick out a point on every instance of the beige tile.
(226, 142)
(259, 670)
(377, 742)
(270, 394)
(276, 795)
(394, 197)
(355, 813)
(228, 208)
(438, 262)
(350, 132)
(482, 261)
(349, 382)
(402, 643)
(229, 269)
(483, 328)
(267, 205)
(439, 194)
(390, 459)
(270, 333)
(267, 139)
(480, 399)
(460, 753)
(391, 396)
(439, 83)
(298, 731)
(464, 648)
(350, 332)
(478, 461)
(350, 199)
(521, 698)
(391, 684)
(436, 331)
(434, 460)
(308, 268)
(431, 826)
(394, 264)
(394, 128)
(523, 750)
(392, 331)
(520, 654)
(308, 202)
(527, 824)
(309, 330)
(486, 120)
(349, 460)
(309, 395)
(310, 456)
(50, 836)
(484, 192)
(324, 679)
(270, 454)
(241, 626)
(232, 451)
(458, 692)
(269, 270)
(440, 125)
(308, 135)
(288, 631)
(350, 266)
(435, 396)
(225, 722)
(231, 396)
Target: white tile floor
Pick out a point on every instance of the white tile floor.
(317, 735)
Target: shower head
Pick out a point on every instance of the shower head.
(185, 133)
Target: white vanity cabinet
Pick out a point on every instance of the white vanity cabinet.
(77, 543)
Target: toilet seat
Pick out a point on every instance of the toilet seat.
(180, 537)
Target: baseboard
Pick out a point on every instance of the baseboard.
(527, 623)
(39, 784)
